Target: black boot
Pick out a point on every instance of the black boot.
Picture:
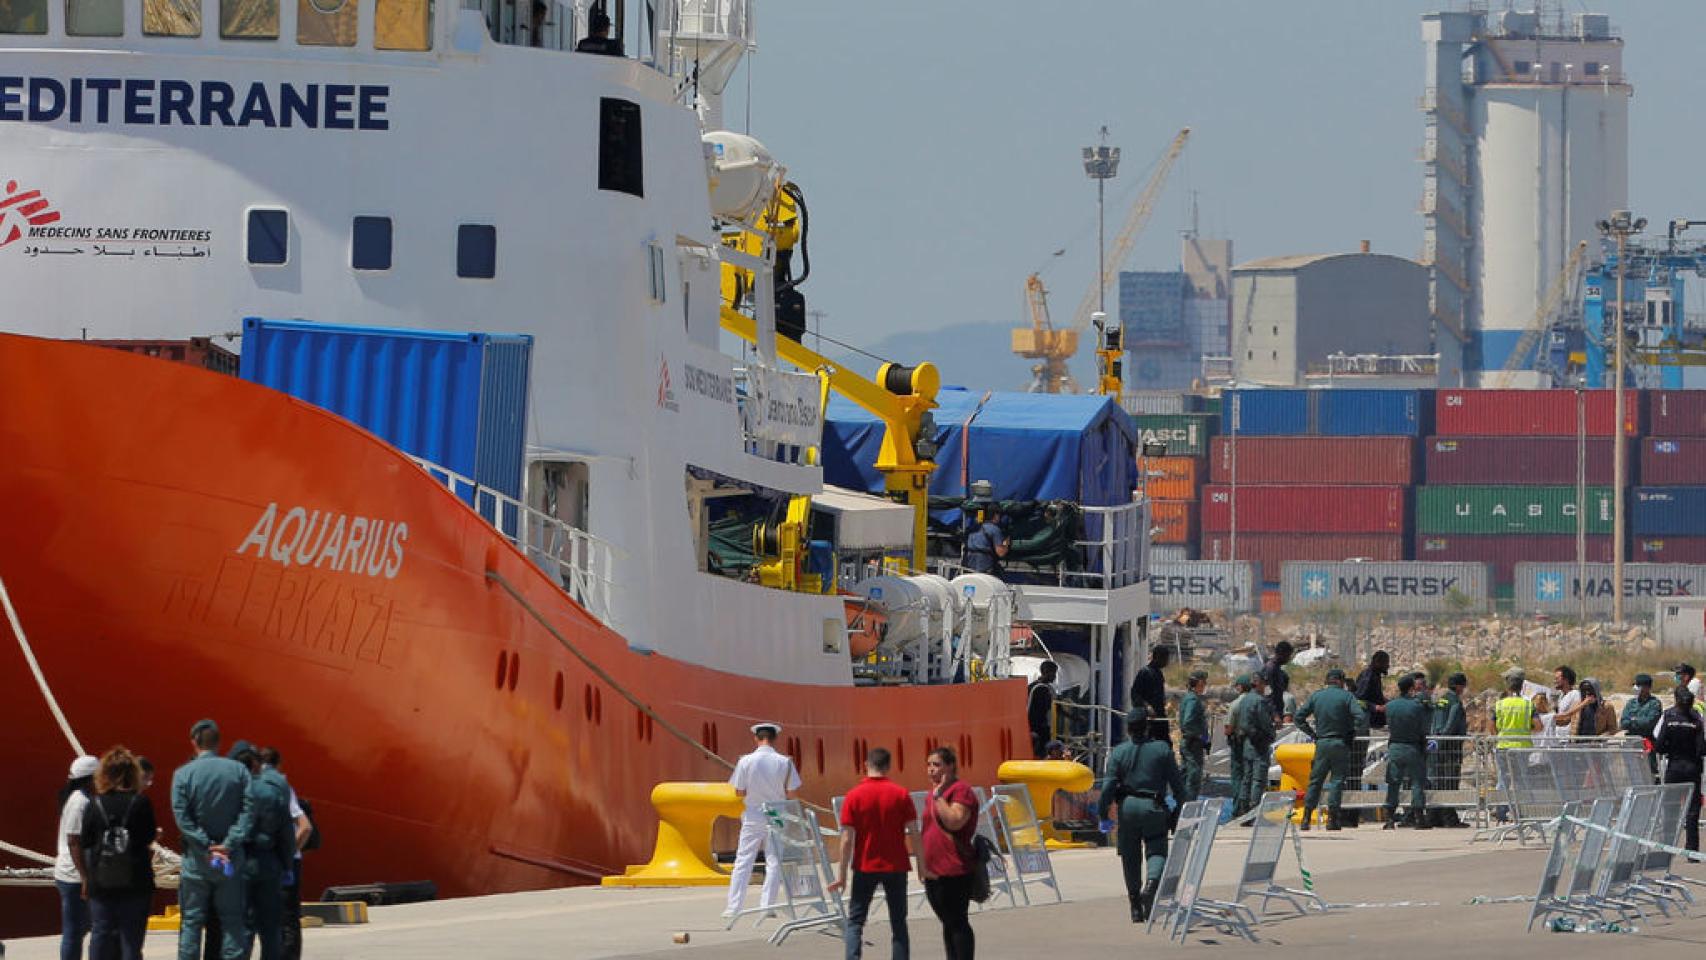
(1308, 818)
(1147, 899)
(1391, 820)
(1424, 821)
(1139, 912)
(1334, 820)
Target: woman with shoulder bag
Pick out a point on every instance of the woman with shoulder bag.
(950, 861)
(117, 864)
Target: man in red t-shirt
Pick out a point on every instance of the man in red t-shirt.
(876, 816)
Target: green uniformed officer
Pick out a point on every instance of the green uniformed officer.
(1445, 763)
(1406, 753)
(1235, 739)
(269, 852)
(1258, 727)
(1139, 774)
(1193, 732)
(1641, 715)
(1337, 717)
(210, 801)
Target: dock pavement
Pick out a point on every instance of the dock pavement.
(1402, 890)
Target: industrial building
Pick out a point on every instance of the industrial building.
(1174, 318)
(1290, 315)
(1525, 150)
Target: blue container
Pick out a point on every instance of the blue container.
(1267, 413)
(1668, 512)
(1374, 413)
(456, 399)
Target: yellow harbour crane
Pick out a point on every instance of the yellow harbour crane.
(1054, 347)
(1568, 280)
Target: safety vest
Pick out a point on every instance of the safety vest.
(1514, 718)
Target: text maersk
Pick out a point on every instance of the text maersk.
(1634, 587)
(1189, 586)
(144, 102)
(1396, 586)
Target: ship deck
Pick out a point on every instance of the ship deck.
(1404, 888)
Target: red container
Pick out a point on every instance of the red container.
(1328, 460)
(1503, 553)
(1670, 549)
(1173, 521)
(1673, 461)
(1514, 460)
(1532, 413)
(1676, 413)
(1307, 508)
(196, 351)
(1272, 549)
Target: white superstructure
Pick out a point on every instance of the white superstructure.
(1526, 149)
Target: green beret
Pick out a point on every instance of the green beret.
(1335, 674)
(1242, 680)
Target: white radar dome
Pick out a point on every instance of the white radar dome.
(742, 172)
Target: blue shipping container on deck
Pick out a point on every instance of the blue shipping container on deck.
(1374, 413)
(456, 399)
(1267, 413)
(1668, 512)
(1032, 446)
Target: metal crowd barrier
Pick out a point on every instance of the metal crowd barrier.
(1603, 866)
(1534, 784)
(1179, 900)
(806, 871)
(1269, 831)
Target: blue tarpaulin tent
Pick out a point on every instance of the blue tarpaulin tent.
(1031, 446)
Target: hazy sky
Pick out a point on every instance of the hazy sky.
(938, 141)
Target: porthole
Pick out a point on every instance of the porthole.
(598, 705)
(557, 692)
(586, 700)
(514, 669)
(503, 667)
(820, 756)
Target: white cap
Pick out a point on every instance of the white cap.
(766, 725)
(84, 766)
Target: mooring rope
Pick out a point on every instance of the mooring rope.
(35, 669)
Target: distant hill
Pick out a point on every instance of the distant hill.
(977, 356)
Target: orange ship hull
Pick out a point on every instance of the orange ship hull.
(441, 733)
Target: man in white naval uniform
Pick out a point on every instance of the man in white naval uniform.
(762, 776)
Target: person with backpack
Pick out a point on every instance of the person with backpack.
(118, 862)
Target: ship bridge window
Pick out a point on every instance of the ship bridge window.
(171, 18)
(326, 23)
(620, 164)
(248, 19)
(94, 18)
(477, 251)
(268, 239)
(403, 25)
(23, 16)
(370, 243)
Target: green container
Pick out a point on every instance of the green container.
(1509, 509)
(1185, 434)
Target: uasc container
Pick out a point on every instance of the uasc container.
(1668, 511)
(1510, 509)
(1676, 413)
(456, 399)
(1306, 508)
(1318, 460)
(1528, 413)
(1184, 434)
(1526, 461)
(1171, 478)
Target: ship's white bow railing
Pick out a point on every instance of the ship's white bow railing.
(1115, 546)
(583, 563)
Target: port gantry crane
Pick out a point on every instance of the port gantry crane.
(1054, 347)
(1524, 354)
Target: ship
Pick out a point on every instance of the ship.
(466, 698)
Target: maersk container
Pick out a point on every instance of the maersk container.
(1563, 587)
(1173, 521)
(1204, 585)
(1171, 478)
(1374, 413)
(1325, 460)
(1522, 461)
(1272, 550)
(456, 399)
(1510, 509)
(1267, 413)
(1673, 461)
(1185, 434)
(1413, 587)
(1503, 553)
(1306, 508)
(1676, 413)
(1668, 512)
(1533, 413)
(1670, 549)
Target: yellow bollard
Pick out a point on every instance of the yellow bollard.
(165, 922)
(1042, 780)
(1294, 761)
(682, 857)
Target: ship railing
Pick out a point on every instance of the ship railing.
(1115, 549)
(584, 564)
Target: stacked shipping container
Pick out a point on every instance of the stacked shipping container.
(1666, 522)
(1502, 476)
(1172, 481)
(1312, 475)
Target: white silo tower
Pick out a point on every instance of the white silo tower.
(1526, 149)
